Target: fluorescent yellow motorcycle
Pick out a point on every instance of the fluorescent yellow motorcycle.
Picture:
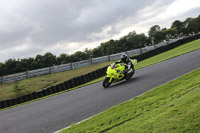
(115, 73)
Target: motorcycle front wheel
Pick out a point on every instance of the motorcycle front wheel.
(106, 83)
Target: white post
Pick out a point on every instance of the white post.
(27, 74)
(2, 80)
(72, 65)
(78, 64)
(141, 51)
(154, 46)
(109, 57)
(91, 61)
(51, 69)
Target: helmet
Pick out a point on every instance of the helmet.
(124, 58)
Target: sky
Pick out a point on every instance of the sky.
(32, 27)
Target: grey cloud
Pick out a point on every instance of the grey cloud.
(72, 20)
(46, 22)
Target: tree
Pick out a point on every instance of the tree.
(1, 69)
(178, 25)
(62, 59)
(88, 52)
(108, 47)
(97, 52)
(156, 34)
(128, 42)
(10, 66)
(198, 21)
(193, 26)
(49, 59)
(185, 28)
(25, 64)
(170, 33)
(123, 44)
(133, 41)
(38, 62)
(78, 56)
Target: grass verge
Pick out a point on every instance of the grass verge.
(92, 82)
(172, 107)
(183, 49)
(23, 87)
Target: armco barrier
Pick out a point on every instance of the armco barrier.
(90, 76)
(70, 66)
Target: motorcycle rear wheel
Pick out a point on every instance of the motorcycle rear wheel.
(106, 83)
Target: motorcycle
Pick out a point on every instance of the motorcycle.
(115, 73)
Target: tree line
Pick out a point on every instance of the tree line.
(131, 41)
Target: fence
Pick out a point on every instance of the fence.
(75, 65)
(92, 75)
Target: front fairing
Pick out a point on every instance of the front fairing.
(113, 74)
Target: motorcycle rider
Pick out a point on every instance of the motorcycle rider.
(125, 61)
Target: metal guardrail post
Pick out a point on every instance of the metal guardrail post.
(51, 69)
(109, 57)
(27, 74)
(154, 46)
(141, 52)
(72, 65)
(91, 61)
(2, 80)
(78, 65)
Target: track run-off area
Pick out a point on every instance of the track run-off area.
(57, 112)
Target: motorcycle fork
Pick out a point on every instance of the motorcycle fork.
(122, 76)
(110, 79)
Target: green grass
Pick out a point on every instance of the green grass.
(22, 87)
(92, 82)
(172, 107)
(19, 88)
(194, 45)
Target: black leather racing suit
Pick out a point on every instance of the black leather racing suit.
(128, 65)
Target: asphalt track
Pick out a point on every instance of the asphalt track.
(54, 113)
